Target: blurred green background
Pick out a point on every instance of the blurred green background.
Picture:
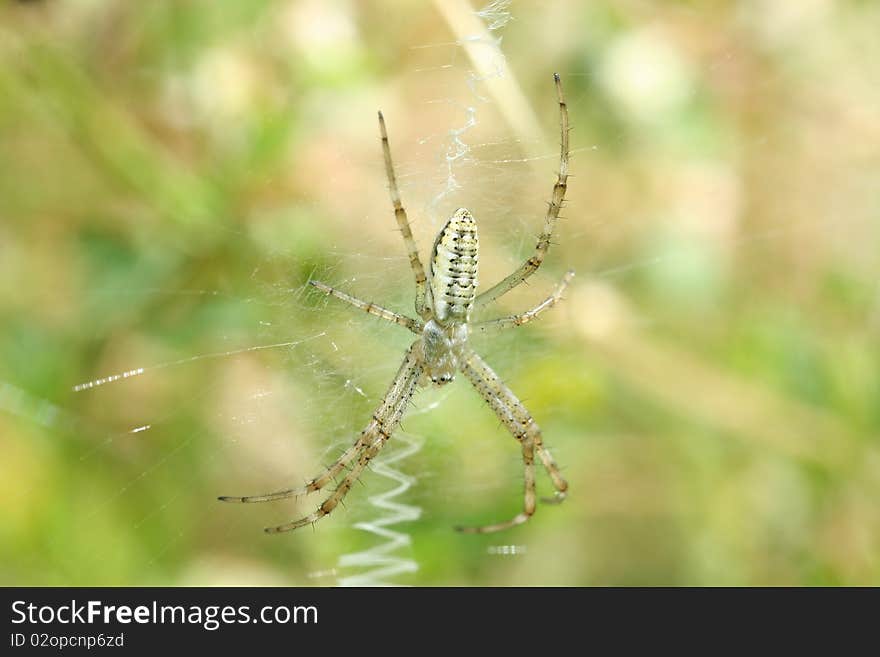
(171, 175)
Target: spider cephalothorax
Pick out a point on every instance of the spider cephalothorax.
(444, 301)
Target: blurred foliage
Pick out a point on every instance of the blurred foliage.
(171, 174)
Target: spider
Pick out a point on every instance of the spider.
(444, 301)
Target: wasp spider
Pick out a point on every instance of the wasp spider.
(445, 297)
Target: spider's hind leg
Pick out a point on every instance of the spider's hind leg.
(412, 250)
(531, 265)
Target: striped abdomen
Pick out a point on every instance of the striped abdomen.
(454, 268)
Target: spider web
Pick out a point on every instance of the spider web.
(449, 169)
(380, 563)
(283, 388)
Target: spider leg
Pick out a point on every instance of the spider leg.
(528, 453)
(552, 469)
(374, 437)
(316, 483)
(529, 315)
(531, 265)
(413, 325)
(378, 425)
(520, 423)
(403, 223)
(338, 494)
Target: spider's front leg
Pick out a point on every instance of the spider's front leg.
(372, 438)
(517, 419)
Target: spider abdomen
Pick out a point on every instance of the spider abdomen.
(454, 268)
